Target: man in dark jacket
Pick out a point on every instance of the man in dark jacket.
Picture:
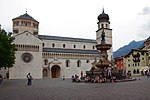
(29, 77)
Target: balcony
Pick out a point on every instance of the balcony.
(136, 55)
(136, 60)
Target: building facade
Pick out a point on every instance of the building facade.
(120, 63)
(136, 62)
(52, 56)
(147, 47)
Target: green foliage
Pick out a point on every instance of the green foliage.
(7, 49)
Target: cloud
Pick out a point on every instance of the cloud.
(144, 22)
(145, 11)
(144, 30)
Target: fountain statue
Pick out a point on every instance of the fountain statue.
(103, 67)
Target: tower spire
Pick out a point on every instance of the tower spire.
(103, 10)
(26, 10)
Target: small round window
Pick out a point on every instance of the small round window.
(27, 57)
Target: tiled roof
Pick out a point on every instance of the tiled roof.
(132, 50)
(25, 16)
(61, 50)
(148, 39)
(45, 37)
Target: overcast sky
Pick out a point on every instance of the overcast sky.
(129, 19)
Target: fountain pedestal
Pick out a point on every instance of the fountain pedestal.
(101, 67)
(103, 63)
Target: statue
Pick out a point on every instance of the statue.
(103, 37)
(93, 64)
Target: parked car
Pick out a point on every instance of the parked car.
(1, 78)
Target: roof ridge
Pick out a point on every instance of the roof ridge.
(66, 37)
(25, 16)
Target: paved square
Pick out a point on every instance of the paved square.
(56, 89)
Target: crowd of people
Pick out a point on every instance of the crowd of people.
(93, 79)
(99, 78)
(96, 79)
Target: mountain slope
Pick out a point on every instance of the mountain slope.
(127, 48)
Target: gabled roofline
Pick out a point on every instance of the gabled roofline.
(134, 50)
(29, 33)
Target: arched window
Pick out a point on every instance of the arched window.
(138, 72)
(98, 26)
(43, 44)
(87, 61)
(74, 46)
(53, 45)
(63, 45)
(134, 71)
(84, 47)
(93, 47)
(45, 62)
(106, 26)
(67, 63)
(78, 63)
(102, 25)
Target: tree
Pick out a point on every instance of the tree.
(7, 49)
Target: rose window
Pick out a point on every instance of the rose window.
(27, 57)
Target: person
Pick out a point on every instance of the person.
(63, 78)
(148, 74)
(73, 78)
(109, 74)
(1, 78)
(29, 77)
(81, 75)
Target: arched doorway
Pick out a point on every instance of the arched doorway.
(55, 71)
(45, 73)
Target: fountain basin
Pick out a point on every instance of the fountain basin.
(103, 46)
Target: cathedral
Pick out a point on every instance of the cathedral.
(46, 56)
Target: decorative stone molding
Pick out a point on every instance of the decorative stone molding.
(21, 47)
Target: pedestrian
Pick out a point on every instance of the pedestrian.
(63, 78)
(29, 77)
(1, 78)
(109, 74)
(73, 78)
(148, 74)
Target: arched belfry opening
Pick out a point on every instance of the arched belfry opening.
(55, 71)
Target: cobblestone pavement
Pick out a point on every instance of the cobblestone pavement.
(56, 89)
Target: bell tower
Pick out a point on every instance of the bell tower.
(104, 26)
(25, 23)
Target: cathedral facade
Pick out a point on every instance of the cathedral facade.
(54, 56)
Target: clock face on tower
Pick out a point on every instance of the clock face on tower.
(27, 57)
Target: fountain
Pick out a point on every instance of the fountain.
(104, 68)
